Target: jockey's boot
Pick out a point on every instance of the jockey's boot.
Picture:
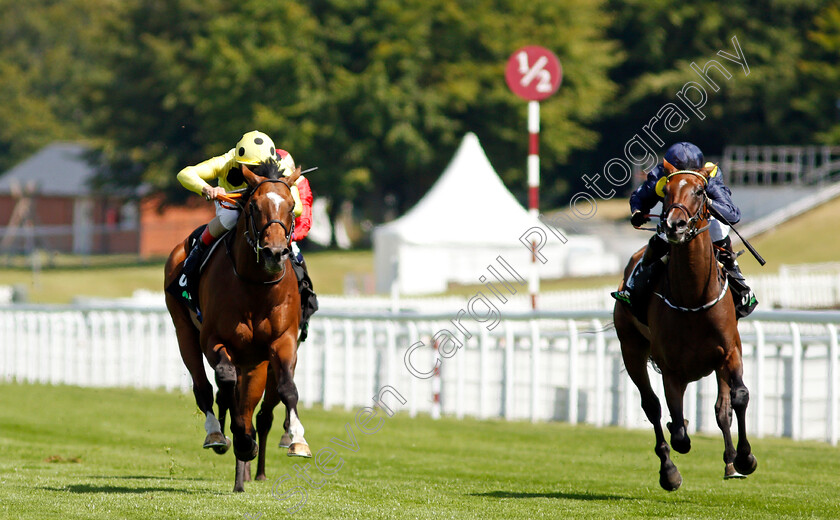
(638, 287)
(745, 300)
(308, 299)
(193, 261)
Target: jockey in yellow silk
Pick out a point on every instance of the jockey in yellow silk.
(254, 148)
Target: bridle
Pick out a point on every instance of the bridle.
(692, 231)
(701, 213)
(253, 236)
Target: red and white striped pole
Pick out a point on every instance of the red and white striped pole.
(534, 191)
(533, 73)
(436, 384)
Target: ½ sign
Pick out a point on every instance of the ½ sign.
(533, 73)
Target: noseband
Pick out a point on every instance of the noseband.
(253, 236)
(701, 212)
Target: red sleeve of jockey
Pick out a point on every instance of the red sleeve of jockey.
(304, 222)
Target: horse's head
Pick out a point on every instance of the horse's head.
(268, 213)
(684, 213)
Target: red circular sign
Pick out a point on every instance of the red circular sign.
(533, 73)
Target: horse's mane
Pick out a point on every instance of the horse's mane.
(270, 169)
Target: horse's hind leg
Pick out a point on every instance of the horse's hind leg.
(265, 418)
(635, 351)
(733, 395)
(723, 414)
(283, 361)
(745, 462)
(286, 439)
(225, 374)
(191, 355)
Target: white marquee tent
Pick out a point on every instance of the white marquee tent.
(460, 227)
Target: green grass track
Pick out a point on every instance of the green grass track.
(71, 453)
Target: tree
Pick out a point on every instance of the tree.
(43, 70)
(663, 38)
(377, 93)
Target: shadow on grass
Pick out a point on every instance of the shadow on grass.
(143, 477)
(555, 494)
(89, 488)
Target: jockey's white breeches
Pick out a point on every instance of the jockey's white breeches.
(227, 217)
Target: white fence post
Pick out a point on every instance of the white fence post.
(483, 369)
(831, 417)
(414, 337)
(348, 365)
(326, 384)
(535, 368)
(796, 390)
(510, 344)
(600, 372)
(573, 372)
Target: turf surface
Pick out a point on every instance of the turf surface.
(72, 453)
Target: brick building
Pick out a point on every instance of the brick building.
(46, 202)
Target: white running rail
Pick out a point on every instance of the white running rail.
(548, 366)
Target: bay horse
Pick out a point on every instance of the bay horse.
(691, 332)
(249, 300)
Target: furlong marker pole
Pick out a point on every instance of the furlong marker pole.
(534, 191)
(436, 384)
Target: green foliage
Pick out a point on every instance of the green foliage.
(44, 61)
(377, 94)
(663, 38)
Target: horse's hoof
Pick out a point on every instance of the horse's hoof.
(260, 477)
(285, 440)
(745, 465)
(221, 450)
(730, 472)
(669, 477)
(680, 440)
(215, 439)
(247, 454)
(239, 489)
(299, 449)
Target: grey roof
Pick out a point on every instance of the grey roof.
(57, 169)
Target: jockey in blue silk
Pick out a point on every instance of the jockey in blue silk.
(687, 156)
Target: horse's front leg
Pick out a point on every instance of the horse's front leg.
(283, 357)
(250, 385)
(674, 393)
(635, 351)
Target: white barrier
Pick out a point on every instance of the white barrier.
(574, 374)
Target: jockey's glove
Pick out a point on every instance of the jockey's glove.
(638, 219)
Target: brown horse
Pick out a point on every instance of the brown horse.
(691, 331)
(249, 300)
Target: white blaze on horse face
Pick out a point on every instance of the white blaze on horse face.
(296, 428)
(682, 183)
(211, 425)
(276, 199)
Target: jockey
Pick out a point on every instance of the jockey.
(687, 156)
(253, 148)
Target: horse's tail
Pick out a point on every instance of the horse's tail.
(608, 326)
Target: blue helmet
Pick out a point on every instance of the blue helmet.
(685, 156)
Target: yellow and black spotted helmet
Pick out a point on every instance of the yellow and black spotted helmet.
(254, 148)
